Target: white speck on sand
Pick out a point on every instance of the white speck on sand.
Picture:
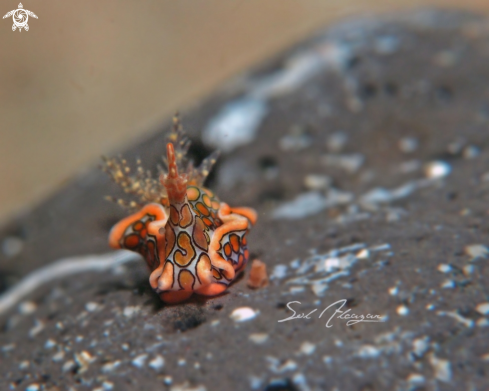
(441, 367)
(130, 311)
(482, 308)
(258, 338)
(402, 310)
(157, 363)
(437, 169)
(421, 346)
(307, 348)
(444, 268)
(243, 314)
(476, 251)
(448, 284)
(140, 360)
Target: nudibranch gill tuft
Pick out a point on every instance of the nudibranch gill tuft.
(192, 242)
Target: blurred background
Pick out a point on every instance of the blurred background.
(91, 77)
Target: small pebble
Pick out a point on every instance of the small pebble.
(68, 366)
(437, 169)
(157, 363)
(50, 343)
(307, 348)
(243, 314)
(442, 368)
(483, 322)
(415, 378)
(402, 310)
(33, 387)
(477, 251)
(140, 360)
(110, 366)
(258, 338)
(91, 306)
(421, 346)
(393, 291)
(468, 270)
(58, 356)
(444, 268)
(448, 284)
(482, 308)
(131, 311)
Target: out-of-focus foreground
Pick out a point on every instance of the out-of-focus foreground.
(90, 77)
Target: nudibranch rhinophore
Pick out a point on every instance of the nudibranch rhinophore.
(192, 242)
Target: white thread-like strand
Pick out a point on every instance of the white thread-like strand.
(63, 268)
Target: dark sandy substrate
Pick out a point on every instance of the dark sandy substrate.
(396, 113)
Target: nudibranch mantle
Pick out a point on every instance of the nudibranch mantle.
(191, 241)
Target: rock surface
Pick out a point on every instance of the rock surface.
(366, 153)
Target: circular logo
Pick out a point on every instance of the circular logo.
(20, 18)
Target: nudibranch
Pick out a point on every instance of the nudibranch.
(191, 241)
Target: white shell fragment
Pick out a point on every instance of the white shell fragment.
(444, 268)
(482, 308)
(437, 169)
(307, 348)
(140, 360)
(441, 368)
(477, 251)
(402, 310)
(157, 363)
(243, 314)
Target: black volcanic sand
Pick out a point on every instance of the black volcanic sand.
(400, 105)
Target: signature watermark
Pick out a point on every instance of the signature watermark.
(338, 313)
(20, 16)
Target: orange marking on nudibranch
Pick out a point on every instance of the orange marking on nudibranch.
(227, 250)
(198, 234)
(193, 193)
(234, 240)
(207, 222)
(202, 209)
(174, 218)
(170, 240)
(186, 219)
(131, 241)
(186, 280)
(183, 258)
(207, 200)
(138, 226)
